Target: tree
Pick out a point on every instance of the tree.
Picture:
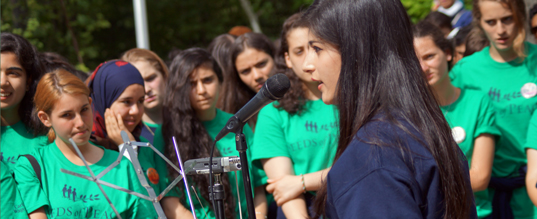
(90, 32)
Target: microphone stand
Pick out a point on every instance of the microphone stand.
(241, 145)
(234, 125)
(218, 196)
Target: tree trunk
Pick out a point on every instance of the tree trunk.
(20, 15)
(72, 33)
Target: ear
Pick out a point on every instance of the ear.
(288, 60)
(90, 100)
(45, 118)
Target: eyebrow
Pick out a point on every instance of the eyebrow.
(150, 75)
(491, 19)
(15, 68)
(68, 111)
(261, 61)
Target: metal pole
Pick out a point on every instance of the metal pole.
(140, 21)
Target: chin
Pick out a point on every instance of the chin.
(327, 100)
(503, 47)
(151, 105)
(6, 106)
(79, 141)
(130, 129)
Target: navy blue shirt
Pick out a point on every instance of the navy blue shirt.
(371, 181)
(148, 134)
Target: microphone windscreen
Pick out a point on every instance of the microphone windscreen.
(278, 85)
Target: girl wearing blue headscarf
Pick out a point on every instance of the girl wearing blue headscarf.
(117, 90)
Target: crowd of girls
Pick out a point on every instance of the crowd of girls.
(380, 121)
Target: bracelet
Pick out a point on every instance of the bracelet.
(303, 183)
(257, 212)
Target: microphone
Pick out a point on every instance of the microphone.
(273, 89)
(220, 165)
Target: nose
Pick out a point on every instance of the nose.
(79, 122)
(3, 79)
(502, 29)
(200, 88)
(424, 66)
(307, 65)
(147, 88)
(257, 74)
(135, 109)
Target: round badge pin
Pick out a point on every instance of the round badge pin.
(458, 134)
(529, 90)
(152, 175)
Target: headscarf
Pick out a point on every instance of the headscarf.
(107, 83)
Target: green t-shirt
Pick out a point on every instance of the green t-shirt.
(11, 205)
(227, 147)
(309, 139)
(67, 196)
(507, 85)
(469, 116)
(17, 140)
(531, 142)
(152, 164)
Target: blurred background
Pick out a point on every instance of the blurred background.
(89, 32)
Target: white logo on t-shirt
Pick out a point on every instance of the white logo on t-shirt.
(529, 90)
(458, 134)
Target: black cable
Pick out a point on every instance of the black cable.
(211, 178)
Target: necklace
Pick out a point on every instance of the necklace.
(149, 129)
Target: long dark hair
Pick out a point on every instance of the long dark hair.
(237, 93)
(220, 49)
(52, 61)
(381, 73)
(180, 120)
(293, 101)
(29, 60)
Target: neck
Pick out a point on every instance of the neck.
(446, 93)
(310, 90)
(91, 153)
(153, 116)
(206, 115)
(10, 116)
(502, 56)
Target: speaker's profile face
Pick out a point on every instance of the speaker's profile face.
(323, 62)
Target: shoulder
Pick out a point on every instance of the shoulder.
(381, 131)
(270, 114)
(471, 59)
(531, 50)
(471, 96)
(271, 108)
(223, 115)
(382, 144)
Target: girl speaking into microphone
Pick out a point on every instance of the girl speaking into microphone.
(396, 155)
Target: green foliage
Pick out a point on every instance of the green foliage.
(104, 29)
(417, 9)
